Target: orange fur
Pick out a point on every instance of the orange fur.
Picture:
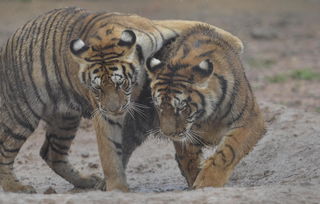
(204, 98)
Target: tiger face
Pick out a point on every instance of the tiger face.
(108, 67)
(191, 83)
(180, 95)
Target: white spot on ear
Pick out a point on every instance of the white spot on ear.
(204, 65)
(154, 62)
(78, 45)
(125, 36)
(97, 81)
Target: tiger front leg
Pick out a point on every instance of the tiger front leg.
(55, 150)
(188, 159)
(217, 169)
(109, 140)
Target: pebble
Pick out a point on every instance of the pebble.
(85, 155)
(93, 165)
(50, 190)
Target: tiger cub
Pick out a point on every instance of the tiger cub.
(67, 64)
(203, 98)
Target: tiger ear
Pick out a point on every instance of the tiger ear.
(128, 38)
(204, 68)
(78, 47)
(153, 65)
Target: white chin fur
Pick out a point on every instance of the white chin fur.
(78, 45)
(154, 62)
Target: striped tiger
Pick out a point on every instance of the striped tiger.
(203, 98)
(71, 63)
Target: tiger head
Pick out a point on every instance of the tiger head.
(191, 82)
(109, 66)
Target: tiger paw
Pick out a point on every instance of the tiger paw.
(88, 182)
(111, 186)
(211, 177)
(118, 187)
(17, 187)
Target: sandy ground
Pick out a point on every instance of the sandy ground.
(279, 36)
(282, 168)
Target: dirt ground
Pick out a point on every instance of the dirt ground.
(282, 60)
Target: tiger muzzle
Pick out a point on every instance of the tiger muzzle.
(114, 103)
(170, 123)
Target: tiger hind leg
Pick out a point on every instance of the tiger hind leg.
(54, 151)
(13, 134)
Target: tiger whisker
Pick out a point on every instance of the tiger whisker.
(196, 131)
(135, 107)
(140, 105)
(128, 109)
(197, 139)
(156, 135)
(190, 138)
(153, 131)
(196, 136)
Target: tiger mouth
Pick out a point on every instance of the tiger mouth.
(186, 136)
(118, 112)
(177, 137)
(113, 113)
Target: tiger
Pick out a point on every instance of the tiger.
(203, 99)
(68, 64)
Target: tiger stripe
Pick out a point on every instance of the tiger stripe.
(42, 80)
(203, 98)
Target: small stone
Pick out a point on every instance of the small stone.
(85, 155)
(50, 190)
(93, 165)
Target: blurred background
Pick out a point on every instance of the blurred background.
(281, 37)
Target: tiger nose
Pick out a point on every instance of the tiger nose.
(113, 107)
(167, 121)
(115, 102)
